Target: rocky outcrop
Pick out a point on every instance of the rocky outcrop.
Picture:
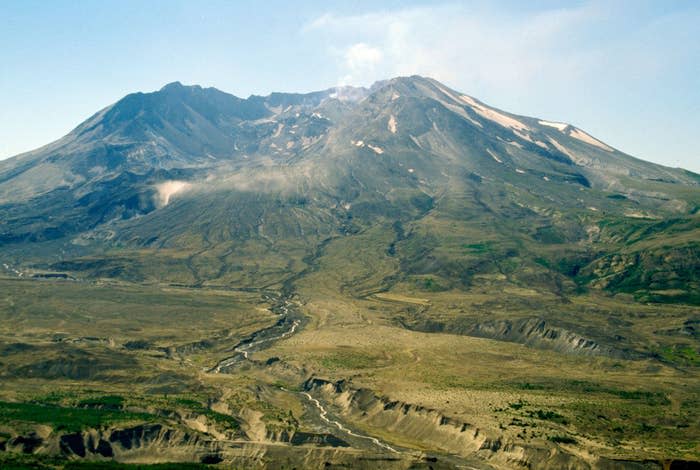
(537, 332)
(151, 440)
(122, 442)
(532, 331)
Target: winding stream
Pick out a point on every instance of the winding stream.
(266, 336)
(324, 416)
(243, 349)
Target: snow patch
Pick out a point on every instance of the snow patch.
(416, 141)
(448, 93)
(564, 150)
(579, 159)
(395, 96)
(375, 149)
(493, 115)
(493, 155)
(545, 178)
(583, 137)
(358, 143)
(518, 170)
(308, 141)
(639, 215)
(168, 189)
(392, 124)
(454, 107)
(524, 136)
(459, 110)
(274, 109)
(411, 170)
(557, 125)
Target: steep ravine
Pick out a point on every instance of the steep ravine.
(415, 424)
(455, 442)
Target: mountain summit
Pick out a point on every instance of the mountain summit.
(200, 171)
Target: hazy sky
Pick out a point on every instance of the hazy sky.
(628, 72)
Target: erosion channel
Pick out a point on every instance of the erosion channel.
(291, 321)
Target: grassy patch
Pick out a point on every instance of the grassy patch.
(198, 407)
(431, 285)
(679, 354)
(588, 387)
(64, 418)
(478, 248)
(112, 402)
(342, 360)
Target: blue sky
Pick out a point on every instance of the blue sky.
(628, 72)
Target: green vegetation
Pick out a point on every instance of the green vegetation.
(548, 415)
(193, 405)
(562, 439)
(589, 387)
(478, 248)
(431, 285)
(682, 354)
(106, 401)
(63, 418)
(517, 405)
(12, 461)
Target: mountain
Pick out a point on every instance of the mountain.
(399, 276)
(199, 170)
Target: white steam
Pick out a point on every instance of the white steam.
(168, 189)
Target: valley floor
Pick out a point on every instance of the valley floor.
(103, 371)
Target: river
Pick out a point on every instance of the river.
(289, 323)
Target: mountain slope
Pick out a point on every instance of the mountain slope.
(203, 172)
